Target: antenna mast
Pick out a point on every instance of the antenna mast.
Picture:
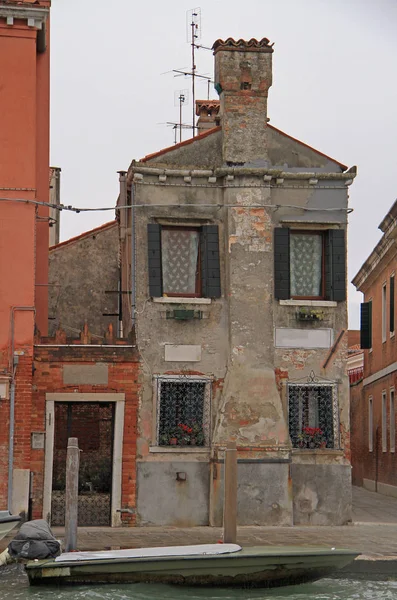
(194, 33)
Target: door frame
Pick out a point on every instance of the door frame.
(119, 400)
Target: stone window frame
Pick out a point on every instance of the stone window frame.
(157, 379)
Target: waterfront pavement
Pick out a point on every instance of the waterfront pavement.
(373, 533)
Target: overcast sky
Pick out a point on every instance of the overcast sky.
(334, 87)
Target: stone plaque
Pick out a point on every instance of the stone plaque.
(285, 337)
(37, 440)
(182, 353)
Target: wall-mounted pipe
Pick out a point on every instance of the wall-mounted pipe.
(13, 361)
(133, 258)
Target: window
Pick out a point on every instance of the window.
(370, 424)
(366, 325)
(391, 305)
(184, 261)
(392, 418)
(384, 422)
(306, 265)
(384, 324)
(313, 415)
(183, 411)
(309, 264)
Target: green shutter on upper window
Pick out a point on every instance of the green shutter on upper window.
(154, 258)
(335, 265)
(210, 262)
(366, 326)
(281, 263)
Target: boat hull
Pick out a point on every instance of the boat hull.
(251, 567)
(7, 522)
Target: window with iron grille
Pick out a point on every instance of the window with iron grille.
(313, 415)
(183, 411)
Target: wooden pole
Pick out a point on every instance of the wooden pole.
(230, 498)
(72, 493)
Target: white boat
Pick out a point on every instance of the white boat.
(7, 522)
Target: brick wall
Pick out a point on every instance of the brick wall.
(123, 372)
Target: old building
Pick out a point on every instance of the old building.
(84, 282)
(24, 168)
(81, 382)
(234, 252)
(374, 437)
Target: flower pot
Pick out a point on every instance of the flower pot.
(173, 441)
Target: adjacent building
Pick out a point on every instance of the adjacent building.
(24, 168)
(374, 436)
(233, 248)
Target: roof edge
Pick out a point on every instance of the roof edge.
(77, 238)
(344, 167)
(180, 144)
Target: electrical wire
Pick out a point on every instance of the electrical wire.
(61, 207)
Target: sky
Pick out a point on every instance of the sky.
(334, 88)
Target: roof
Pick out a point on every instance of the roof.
(77, 238)
(199, 137)
(344, 167)
(184, 143)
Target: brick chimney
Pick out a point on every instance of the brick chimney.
(208, 114)
(243, 76)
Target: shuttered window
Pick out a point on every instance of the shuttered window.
(184, 262)
(366, 326)
(309, 264)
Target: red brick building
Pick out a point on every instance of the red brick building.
(373, 414)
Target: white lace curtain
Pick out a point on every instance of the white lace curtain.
(179, 256)
(306, 256)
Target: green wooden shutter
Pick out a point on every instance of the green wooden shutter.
(391, 300)
(154, 256)
(210, 264)
(335, 265)
(281, 263)
(366, 325)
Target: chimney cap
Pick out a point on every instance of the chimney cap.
(212, 105)
(252, 45)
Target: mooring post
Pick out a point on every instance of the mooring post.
(72, 494)
(230, 498)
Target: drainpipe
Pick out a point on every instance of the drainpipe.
(123, 229)
(13, 360)
(133, 259)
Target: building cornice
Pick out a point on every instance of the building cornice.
(386, 242)
(34, 17)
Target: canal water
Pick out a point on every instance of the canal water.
(14, 586)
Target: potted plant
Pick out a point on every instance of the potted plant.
(192, 434)
(311, 437)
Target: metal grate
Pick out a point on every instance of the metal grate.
(313, 414)
(92, 423)
(183, 411)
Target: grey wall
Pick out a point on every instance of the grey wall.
(80, 272)
(163, 500)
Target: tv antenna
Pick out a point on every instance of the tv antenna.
(180, 98)
(193, 31)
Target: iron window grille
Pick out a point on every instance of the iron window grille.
(313, 413)
(183, 411)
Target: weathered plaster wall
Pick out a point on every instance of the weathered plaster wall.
(204, 152)
(81, 272)
(173, 493)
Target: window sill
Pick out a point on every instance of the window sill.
(324, 303)
(179, 449)
(173, 300)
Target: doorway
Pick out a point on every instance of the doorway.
(92, 423)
